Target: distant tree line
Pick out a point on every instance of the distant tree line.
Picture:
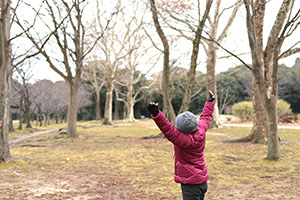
(233, 86)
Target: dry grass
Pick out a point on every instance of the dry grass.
(114, 163)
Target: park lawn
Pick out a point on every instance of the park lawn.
(113, 162)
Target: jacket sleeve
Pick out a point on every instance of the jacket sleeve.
(172, 134)
(206, 116)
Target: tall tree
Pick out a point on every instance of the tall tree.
(265, 60)
(212, 49)
(24, 75)
(93, 74)
(113, 49)
(183, 21)
(5, 79)
(168, 108)
(68, 31)
(137, 49)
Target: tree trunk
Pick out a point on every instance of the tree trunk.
(259, 131)
(72, 109)
(130, 114)
(273, 146)
(108, 104)
(20, 114)
(4, 117)
(5, 80)
(211, 76)
(98, 108)
(11, 125)
(165, 82)
(130, 100)
(265, 63)
(27, 118)
(273, 139)
(194, 57)
(45, 119)
(48, 118)
(116, 113)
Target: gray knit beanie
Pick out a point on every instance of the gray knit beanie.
(186, 122)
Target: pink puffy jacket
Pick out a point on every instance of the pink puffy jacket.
(190, 166)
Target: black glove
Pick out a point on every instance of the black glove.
(153, 108)
(211, 97)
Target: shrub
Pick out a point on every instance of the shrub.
(288, 118)
(283, 108)
(243, 110)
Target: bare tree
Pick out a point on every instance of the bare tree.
(24, 75)
(93, 74)
(183, 22)
(44, 98)
(68, 32)
(211, 49)
(265, 60)
(137, 56)
(5, 79)
(61, 96)
(169, 111)
(112, 51)
(180, 13)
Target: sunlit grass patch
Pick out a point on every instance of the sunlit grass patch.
(113, 162)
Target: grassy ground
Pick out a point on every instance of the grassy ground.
(114, 163)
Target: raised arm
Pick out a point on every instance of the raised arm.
(172, 134)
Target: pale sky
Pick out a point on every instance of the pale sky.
(237, 42)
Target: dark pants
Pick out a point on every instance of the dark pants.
(193, 191)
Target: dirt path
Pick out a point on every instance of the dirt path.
(250, 125)
(33, 135)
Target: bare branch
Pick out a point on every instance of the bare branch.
(232, 54)
(289, 52)
(152, 41)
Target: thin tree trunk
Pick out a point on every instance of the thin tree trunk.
(27, 118)
(98, 108)
(5, 80)
(194, 57)
(72, 109)
(48, 118)
(20, 114)
(4, 117)
(166, 69)
(45, 119)
(211, 76)
(116, 113)
(108, 104)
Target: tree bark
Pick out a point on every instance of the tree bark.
(116, 113)
(212, 55)
(5, 80)
(259, 130)
(20, 114)
(108, 103)
(11, 125)
(130, 114)
(72, 109)
(98, 108)
(265, 63)
(194, 57)
(211, 65)
(166, 68)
